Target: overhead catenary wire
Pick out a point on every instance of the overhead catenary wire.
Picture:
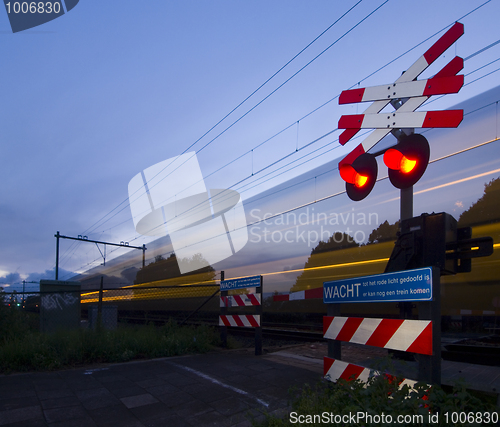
(305, 205)
(136, 237)
(334, 168)
(88, 230)
(284, 157)
(286, 128)
(470, 56)
(359, 22)
(338, 146)
(249, 96)
(476, 146)
(259, 103)
(481, 50)
(270, 94)
(289, 154)
(472, 11)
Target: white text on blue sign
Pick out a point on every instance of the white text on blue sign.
(245, 282)
(408, 285)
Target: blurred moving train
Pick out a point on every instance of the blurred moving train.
(306, 231)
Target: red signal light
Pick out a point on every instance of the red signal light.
(349, 174)
(407, 165)
(408, 161)
(360, 180)
(394, 159)
(360, 176)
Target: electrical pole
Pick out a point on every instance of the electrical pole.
(57, 255)
(85, 239)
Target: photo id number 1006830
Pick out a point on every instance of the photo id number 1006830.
(33, 7)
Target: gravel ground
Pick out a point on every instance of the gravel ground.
(353, 352)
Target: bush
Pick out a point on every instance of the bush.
(14, 322)
(381, 402)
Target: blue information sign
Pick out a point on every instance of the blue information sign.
(245, 282)
(408, 285)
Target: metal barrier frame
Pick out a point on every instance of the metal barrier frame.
(258, 311)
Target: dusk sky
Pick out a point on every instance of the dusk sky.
(96, 96)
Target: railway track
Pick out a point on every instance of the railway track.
(282, 333)
(274, 331)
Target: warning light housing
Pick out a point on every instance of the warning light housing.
(360, 176)
(407, 161)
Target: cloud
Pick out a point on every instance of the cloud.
(50, 275)
(15, 281)
(10, 279)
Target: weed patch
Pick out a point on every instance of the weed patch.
(32, 350)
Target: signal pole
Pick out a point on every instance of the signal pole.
(406, 212)
(406, 203)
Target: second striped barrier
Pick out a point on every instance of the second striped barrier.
(241, 320)
(414, 336)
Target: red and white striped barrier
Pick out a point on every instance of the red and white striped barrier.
(334, 369)
(242, 320)
(240, 300)
(414, 336)
(315, 293)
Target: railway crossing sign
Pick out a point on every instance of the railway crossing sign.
(422, 336)
(237, 301)
(406, 285)
(406, 94)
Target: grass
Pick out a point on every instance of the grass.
(23, 348)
